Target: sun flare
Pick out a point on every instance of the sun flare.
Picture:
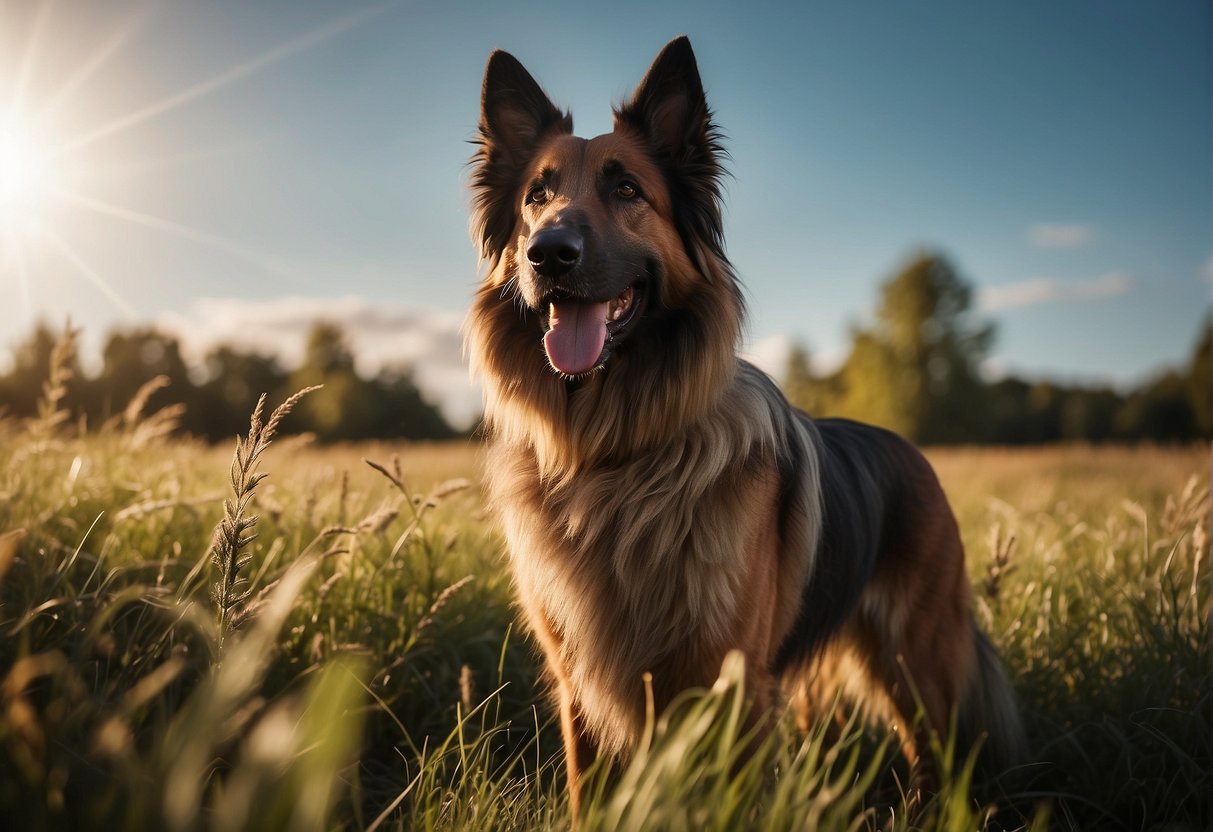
(57, 167)
(25, 180)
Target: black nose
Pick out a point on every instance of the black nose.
(554, 251)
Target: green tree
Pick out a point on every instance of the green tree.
(915, 370)
(812, 394)
(1200, 381)
(21, 387)
(344, 409)
(350, 407)
(1161, 411)
(1088, 415)
(404, 411)
(234, 382)
(1008, 404)
(130, 359)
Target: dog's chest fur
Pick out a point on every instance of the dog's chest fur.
(633, 566)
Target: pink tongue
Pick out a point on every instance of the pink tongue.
(578, 332)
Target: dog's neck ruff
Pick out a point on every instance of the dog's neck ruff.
(673, 375)
(585, 422)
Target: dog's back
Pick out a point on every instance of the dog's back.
(886, 615)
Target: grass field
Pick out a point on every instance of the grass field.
(356, 665)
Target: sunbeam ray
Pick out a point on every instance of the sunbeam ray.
(26, 66)
(69, 254)
(223, 79)
(258, 259)
(87, 69)
(144, 164)
(16, 256)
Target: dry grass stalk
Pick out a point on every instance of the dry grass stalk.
(137, 404)
(143, 429)
(234, 532)
(343, 494)
(1001, 549)
(441, 602)
(146, 507)
(395, 476)
(377, 521)
(1187, 512)
(51, 414)
(445, 489)
(467, 688)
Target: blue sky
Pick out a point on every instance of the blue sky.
(233, 169)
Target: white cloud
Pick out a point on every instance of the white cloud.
(380, 334)
(1059, 235)
(1051, 290)
(993, 368)
(770, 354)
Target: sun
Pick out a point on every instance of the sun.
(25, 177)
(51, 162)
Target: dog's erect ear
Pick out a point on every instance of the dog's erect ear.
(514, 111)
(669, 107)
(515, 114)
(670, 112)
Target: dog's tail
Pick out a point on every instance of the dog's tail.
(989, 712)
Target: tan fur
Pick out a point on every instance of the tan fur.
(654, 552)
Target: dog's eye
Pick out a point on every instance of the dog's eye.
(537, 195)
(626, 190)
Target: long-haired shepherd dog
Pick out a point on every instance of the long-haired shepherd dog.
(662, 502)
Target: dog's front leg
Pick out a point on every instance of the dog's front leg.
(579, 750)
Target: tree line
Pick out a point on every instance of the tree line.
(915, 370)
(214, 401)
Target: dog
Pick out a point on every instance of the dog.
(662, 502)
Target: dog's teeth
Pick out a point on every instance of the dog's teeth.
(619, 306)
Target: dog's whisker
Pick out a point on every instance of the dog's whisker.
(510, 286)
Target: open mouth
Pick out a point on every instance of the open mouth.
(579, 333)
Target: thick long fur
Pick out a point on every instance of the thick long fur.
(668, 506)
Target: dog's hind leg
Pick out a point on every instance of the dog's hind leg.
(920, 635)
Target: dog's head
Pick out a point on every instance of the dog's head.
(598, 237)
(610, 315)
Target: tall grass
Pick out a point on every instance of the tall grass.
(356, 667)
(235, 531)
